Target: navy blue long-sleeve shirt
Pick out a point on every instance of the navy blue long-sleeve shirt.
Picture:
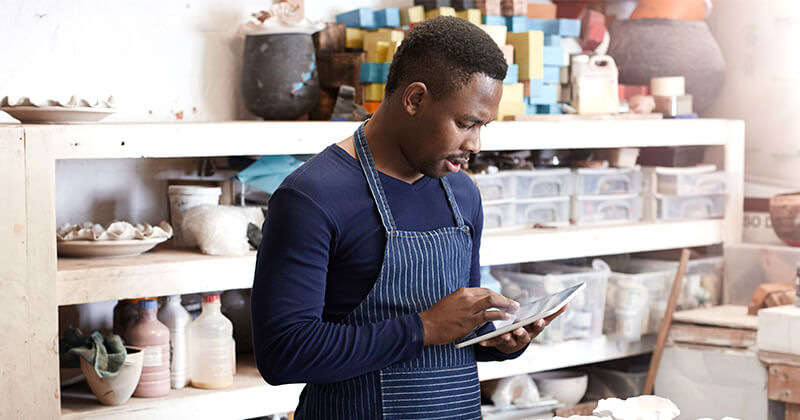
(321, 253)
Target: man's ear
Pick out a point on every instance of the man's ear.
(415, 96)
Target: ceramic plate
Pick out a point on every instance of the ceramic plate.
(57, 114)
(102, 249)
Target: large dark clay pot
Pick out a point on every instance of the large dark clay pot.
(279, 76)
(645, 48)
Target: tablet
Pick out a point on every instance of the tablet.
(530, 312)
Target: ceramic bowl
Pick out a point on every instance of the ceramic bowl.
(116, 390)
(563, 385)
(784, 210)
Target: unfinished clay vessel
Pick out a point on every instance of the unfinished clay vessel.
(646, 407)
(784, 210)
(118, 389)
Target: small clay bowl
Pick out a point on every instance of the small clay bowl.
(116, 390)
(784, 210)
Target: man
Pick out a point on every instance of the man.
(368, 270)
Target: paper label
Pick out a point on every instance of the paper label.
(152, 357)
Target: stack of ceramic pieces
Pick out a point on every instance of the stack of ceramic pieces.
(671, 98)
(489, 7)
(514, 7)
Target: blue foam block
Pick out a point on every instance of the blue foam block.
(546, 95)
(517, 23)
(682, 117)
(358, 18)
(553, 56)
(372, 73)
(551, 40)
(493, 20)
(563, 27)
(387, 18)
(552, 75)
(551, 109)
(512, 75)
(385, 72)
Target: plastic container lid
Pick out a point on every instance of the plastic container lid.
(210, 298)
(193, 189)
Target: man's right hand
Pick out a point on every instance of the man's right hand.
(461, 312)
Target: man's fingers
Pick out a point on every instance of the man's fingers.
(486, 316)
(552, 317)
(496, 300)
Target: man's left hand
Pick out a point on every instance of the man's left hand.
(514, 341)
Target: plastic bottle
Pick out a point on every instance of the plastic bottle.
(210, 347)
(153, 336)
(126, 313)
(176, 318)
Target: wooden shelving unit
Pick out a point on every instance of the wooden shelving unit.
(37, 282)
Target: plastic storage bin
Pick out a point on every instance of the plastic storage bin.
(543, 183)
(604, 181)
(498, 215)
(553, 211)
(700, 180)
(496, 186)
(749, 265)
(689, 207)
(583, 318)
(633, 281)
(701, 285)
(606, 209)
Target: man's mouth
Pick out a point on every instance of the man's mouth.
(455, 164)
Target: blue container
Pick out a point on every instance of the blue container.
(562, 27)
(551, 40)
(517, 23)
(387, 18)
(552, 75)
(553, 56)
(385, 72)
(372, 73)
(493, 20)
(546, 95)
(358, 18)
(512, 75)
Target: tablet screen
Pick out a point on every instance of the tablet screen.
(530, 311)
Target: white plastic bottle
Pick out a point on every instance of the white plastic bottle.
(211, 338)
(177, 319)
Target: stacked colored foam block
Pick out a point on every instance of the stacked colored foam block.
(472, 15)
(514, 7)
(464, 4)
(489, 7)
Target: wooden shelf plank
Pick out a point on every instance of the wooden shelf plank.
(165, 272)
(578, 241)
(157, 273)
(239, 138)
(542, 357)
(248, 397)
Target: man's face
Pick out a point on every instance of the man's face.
(448, 130)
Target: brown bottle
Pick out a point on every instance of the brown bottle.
(153, 336)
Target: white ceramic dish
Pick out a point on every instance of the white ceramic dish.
(104, 249)
(116, 390)
(57, 114)
(564, 385)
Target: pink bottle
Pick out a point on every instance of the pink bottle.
(153, 336)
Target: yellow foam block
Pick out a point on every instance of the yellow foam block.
(393, 46)
(498, 33)
(510, 109)
(377, 51)
(514, 92)
(472, 15)
(442, 11)
(354, 38)
(411, 15)
(383, 34)
(528, 48)
(374, 92)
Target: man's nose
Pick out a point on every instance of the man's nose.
(473, 143)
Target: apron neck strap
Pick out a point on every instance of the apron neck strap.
(375, 186)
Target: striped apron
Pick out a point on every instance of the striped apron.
(419, 268)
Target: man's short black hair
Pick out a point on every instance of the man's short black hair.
(444, 53)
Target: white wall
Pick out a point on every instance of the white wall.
(759, 40)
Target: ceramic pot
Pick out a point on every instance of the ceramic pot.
(116, 390)
(646, 48)
(564, 385)
(784, 210)
(279, 76)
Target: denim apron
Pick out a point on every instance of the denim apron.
(419, 268)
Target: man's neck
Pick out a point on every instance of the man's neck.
(384, 136)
